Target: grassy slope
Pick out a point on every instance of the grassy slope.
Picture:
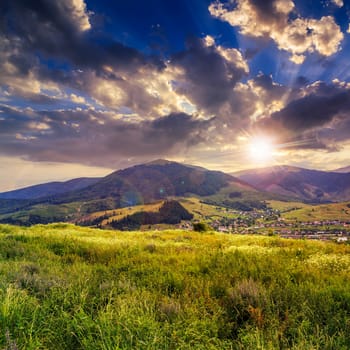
(307, 212)
(67, 287)
(287, 206)
(75, 211)
(201, 211)
(63, 211)
(120, 213)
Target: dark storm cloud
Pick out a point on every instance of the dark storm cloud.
(47, 42)
(51, 46)
(312, 111)
(93, 138)
(317, 120)
(210, 77)
(54, 14)
(178, 126)
(61, 29)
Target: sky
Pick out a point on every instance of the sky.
(91, 86)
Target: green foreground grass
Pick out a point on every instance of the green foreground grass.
(67, 287)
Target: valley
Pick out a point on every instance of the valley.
(132, 199)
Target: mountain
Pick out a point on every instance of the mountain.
(49, 189)
(345, 169)
(153, 181)
(140, 184)
(303, 184)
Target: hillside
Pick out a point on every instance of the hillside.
(66, 287)
(161, 180)
(132, 218)
(141, 184)
(153, 181)
(302, 184)
(195, 206)
(333, 211)
(170, 212)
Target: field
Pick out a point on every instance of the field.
(201, 211)
(68, 287)
(285, 207)
(307, 212)
(119, 213)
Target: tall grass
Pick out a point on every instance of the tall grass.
(67, 287)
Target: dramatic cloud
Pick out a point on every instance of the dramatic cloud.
(34, 32)
(208, 74)
(315, 119)
(60, 30)
(94, 138)
(69, 16)
(273, 19)
(124, 94)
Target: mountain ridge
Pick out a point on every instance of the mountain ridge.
(162, 179)
(303, 184)
(136, 185)
(345, 169)
(153, 181)
(133, 185)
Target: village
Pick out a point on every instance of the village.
(270, 222)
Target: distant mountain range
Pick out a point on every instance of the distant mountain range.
(145, 183)
(161, 180)
(153, 181)
(49, 189)
(302, 184)
(343, 170)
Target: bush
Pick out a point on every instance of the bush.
(200, 227)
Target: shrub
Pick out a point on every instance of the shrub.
(200, 227)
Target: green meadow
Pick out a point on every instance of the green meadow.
(333, 211)
(68, 287)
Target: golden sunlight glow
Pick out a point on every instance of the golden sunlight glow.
(261, 149)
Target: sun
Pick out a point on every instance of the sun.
(261, 149)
